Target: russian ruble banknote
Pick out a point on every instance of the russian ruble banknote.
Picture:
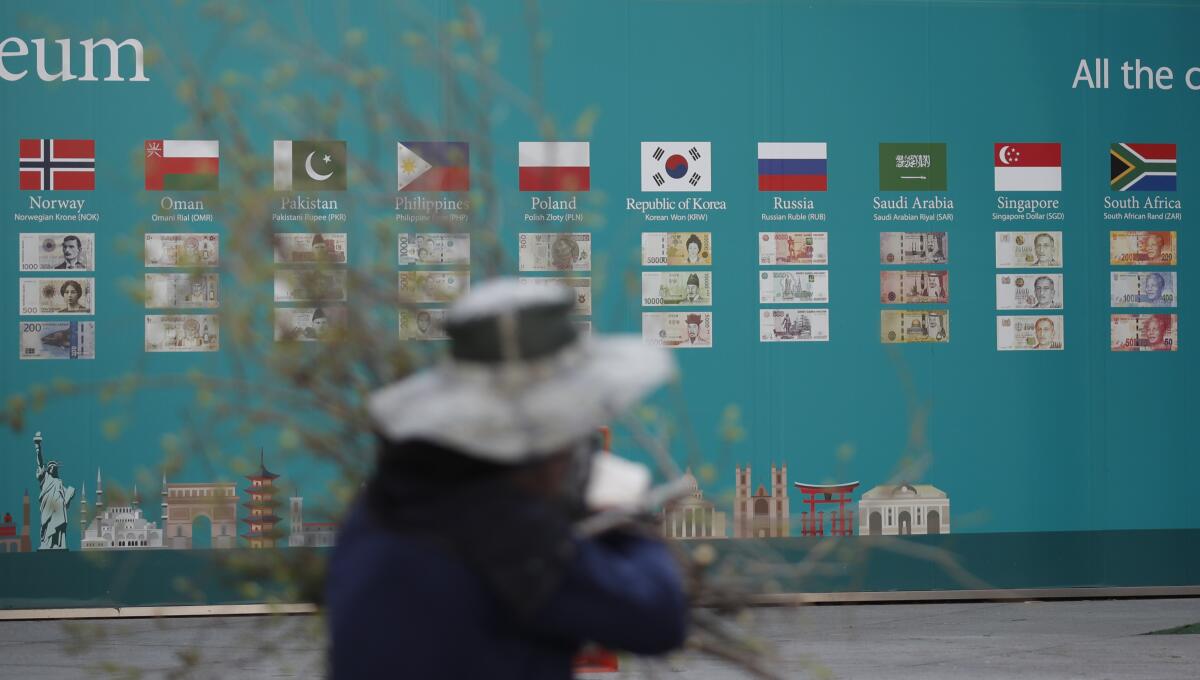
(677, 248)
(308, 248)
(677, 330)
(1142, 248)
(1143, 289)
(58, 296)
(1029, 291)
(434, 249)
(793, 247)
(911, 286)
(1017, 249)
(580, 285)
(50, 252)
(661, 289)
(793, 285)
(793, 325)
(554, 252)
(58, 339)
(422, 324)
(914, 325)
(182, 250)
(309, 324)
(1145, 333)
(914, 247)
(179, 290)
(440, 286)
(182, 333)
(1034, 332)
(310, 285)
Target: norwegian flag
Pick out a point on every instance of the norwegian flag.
(58, 164)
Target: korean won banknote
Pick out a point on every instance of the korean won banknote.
(1143, 289)
(554, 252)
(434, 249)
(309, 324)
(677, 330)
(795, 285)
(57, 296)
(422, 324)
(1029, 291)
(1147, 248)
(440, 286)
(51, 252)
(581, 286)
(1145, 333)
(913, 247)
(679, 248)
(911, 286)
(793, 325)
(793, 247)
(182, 250)
(182, 333)
(1017, 249)
(58, 339)
(914, 326)
(1034, 332)
(309, 248)
(179, 290)
(310, 285)
(660, 289)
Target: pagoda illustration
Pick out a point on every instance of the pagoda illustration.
(261, 523)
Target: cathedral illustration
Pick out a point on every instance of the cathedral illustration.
(762, 514)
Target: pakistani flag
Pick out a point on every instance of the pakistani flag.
(914, 166)
(310, 166)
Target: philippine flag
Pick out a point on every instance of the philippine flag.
(1028, 167)
(792, 166)
(554, 166)
(433, 166)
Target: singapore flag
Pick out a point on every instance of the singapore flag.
(1028, 167)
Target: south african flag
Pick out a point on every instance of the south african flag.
(1142, 167)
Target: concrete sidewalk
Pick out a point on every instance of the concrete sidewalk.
(1030, 641)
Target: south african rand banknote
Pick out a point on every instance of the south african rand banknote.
(794, 285)
(309, 324)
(1145, 333)
(581, 286)
(1142, 248)
(182, 333)
(183, 250)
(911, 286)
(677, 248)
(554, 252)
(677, 330)
(1034, 332)
(422, 324)
(57, 296)
(58, 339)
(793, 325)
(793, 247)
(434, 249)
(1143, 289)
(1017, 249)
(914, 247)
(310, 285)
(914, 325)
(179, 290)
(309, 248)
(49, 252)
(661, 289)
(439, 286)
(1029, 291)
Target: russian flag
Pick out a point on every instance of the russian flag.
(792, 166)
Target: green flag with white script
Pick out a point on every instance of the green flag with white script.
(310, 166)
(913, 166)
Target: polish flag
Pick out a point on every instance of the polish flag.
(1028, 167)
(554, 166)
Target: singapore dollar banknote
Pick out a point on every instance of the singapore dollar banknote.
(310, 285)
(50, 252)
(661, 289)
(1142, 248)
(677, 248)
(1029, 291)
(182, 250)
(182, 333)
(57, 296)
(309, 324)
(796, 285)
(1143, 289)
(793, 325)
(1145, 333)
(309, 248)
(1017, 249)
(793, 247)
(910, 286)
(422, 324)
(434, 249)
(554, 252)
(914, 247)
(182, 290)
(1034, 332)
(581, 286)
(58, 340)
(914, 325)
(677, 330)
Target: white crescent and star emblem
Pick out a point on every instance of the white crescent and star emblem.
(1008, 155)
(313, 173)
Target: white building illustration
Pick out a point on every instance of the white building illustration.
(904, 509)
(692, 516)
(118, 527)
(309, 534)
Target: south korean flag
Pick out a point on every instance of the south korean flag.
(676, 166)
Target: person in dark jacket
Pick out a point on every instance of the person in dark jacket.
(461, 559)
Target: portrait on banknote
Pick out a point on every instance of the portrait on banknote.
(1142, 248)
(61, 252)
(913, 247)
(434, 249)
(1145, 333)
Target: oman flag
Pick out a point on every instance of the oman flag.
(182, 165)
(1028, 167)
(554, 166)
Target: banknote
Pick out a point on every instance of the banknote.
(58, 296)
(914, 286)
(422, 324)
(1145, 332)
(1029, 291)
(48, 252)
(679, 330)
(677, 248)
(182, 290)
(582, 286)
(309, 248)
(434, 249)
(793, 285)
(554, 252)
(676, 288)
(793, 325)
(914, 247)
(1143, 289)
(914, 325)
(1015, 333)
(316, 285)
(1142, 247)
(1016, 249)
(183, 250)
(58, 339)
(182, 333)
(793, 247)
(584, 326)
(439, 286)
(309, 324)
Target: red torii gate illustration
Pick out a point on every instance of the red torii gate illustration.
(812, 523)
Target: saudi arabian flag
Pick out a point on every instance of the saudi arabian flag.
(913, 166)
(310, 166)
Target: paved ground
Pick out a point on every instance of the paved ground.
(1029, 641)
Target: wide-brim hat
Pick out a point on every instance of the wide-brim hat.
(521, 381)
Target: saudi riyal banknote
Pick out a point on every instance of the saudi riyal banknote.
(182, 250)
(793, 285)
(179, 290)
(1029, 291)
(1145, 333)
(581, 286)
(911, 286)
(679, 248)
(1147, 248)
(440, 286)
(50, 252)
(1143, 289)
(677, 330)
(422, 324)
(309, 324)
(914, 247)
(793, 247)
(309, 248)
(57, 296)
(434, 249)
(793, 325)
(554, 252)
(914, 325)
(661, 289)
(1017, 249)
(58, 339)
(1034, 332)
(182, 333)
(310, 285)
